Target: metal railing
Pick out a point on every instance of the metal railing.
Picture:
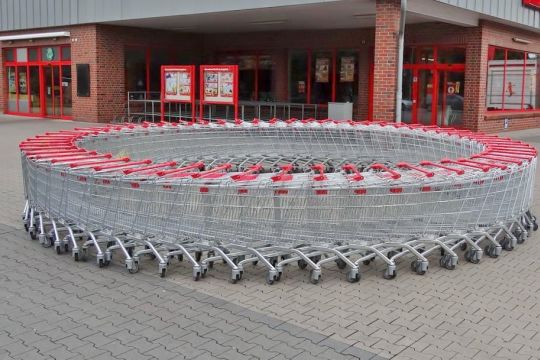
(146, 106)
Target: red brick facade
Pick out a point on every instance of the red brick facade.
(386, 59)
(103, 48)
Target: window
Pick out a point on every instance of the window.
(66, 53)
(513, 80)
(10, 55)
(135, 69)
(255, 75)
(33, 54)
(49, 54)
(22, 55)
(322, 76)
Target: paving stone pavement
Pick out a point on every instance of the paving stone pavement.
(52, 307)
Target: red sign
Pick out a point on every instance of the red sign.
(178, 85)
(532, 3)
(219, 85)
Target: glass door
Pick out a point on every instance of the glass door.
(425, 92)
(451, 98)
(51, 83)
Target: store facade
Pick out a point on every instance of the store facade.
(461, 68)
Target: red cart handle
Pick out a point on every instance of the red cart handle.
(479, 167)
(76, 158)
(206, 173)
(320, 168)
(248, 175)
(497, 166)
(198, 165)
(98, 162)
(122, 166)
(498, 158)
(284, 175)
(404, 165)
(394, 174)
(352, 169)
(150, 167)
(429, 163)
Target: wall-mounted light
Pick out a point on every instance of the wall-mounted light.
(521, 41)
(268, 22)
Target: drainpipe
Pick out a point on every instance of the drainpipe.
(401, 42)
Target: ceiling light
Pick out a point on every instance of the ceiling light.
(268, 22)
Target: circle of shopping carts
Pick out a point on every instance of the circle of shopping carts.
(273, 194)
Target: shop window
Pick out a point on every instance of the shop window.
(22, 55)
(298, 69)
(255, 75)
(347, 77)
(158, 57)
(66, 53)
(33, 54)
(452, 55)
(135, 64)
(10, 54)
(321, 77)
(49, 54)
(425, 55)
(512, 80)
(266, 78)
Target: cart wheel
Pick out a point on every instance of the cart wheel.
(163, 272)
(389, 276)
(180, 257)
(58, 250)
(66, 247)
(84, 253)
(255, 262)
(314, 279)
(33, 235)
(76, 256)
(197, 276)
(367, 262)
(463, 246)
(198, 256)
(203, 273)
(316, 259)
(416, 266)
(269, 280)
(302, 264)
(353, 276)
(278, 276)
(446, 262)
(443, 252)
(26, 227)
(490, 251)
(535, 226)
(273, 261)
(506, 244)
(101, 263)
(521, 238)
(391, 254)
(471, 257)
(135, 268)
(341, 264)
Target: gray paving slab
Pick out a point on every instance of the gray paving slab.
(52, 307)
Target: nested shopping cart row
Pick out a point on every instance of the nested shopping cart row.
(271, 194)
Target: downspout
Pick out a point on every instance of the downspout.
(400, 46)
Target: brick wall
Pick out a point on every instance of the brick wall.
(386, 59)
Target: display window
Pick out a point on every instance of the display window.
(513, 80)
(322, 76)
(39, 81)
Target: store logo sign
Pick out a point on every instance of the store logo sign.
(49, 54)
(532, 3)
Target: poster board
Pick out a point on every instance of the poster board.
(219, 85)
(178, 86)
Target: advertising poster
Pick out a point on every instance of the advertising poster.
(218, 85)
(22, 83)
(177, 85)
(11, 81)
(322, 70)
(346, 73)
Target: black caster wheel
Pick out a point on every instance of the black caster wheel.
(463, 246)
(198, 256)
(33, 235)
(26, 227)
(446, 262)
(180, 257)
(353, 277)
(58, 250)
(341, 264)
(367, 262)
(316, 259)
(76, 256)
(302, 264)
(490, 251)
(314, 279)
(535, 226)
(443, 252)
(390, 276)
(135, 268)
(66, 247)
(471, 257)
(506, 244)
(278, 277)
(416, 266)
(101, 263)
(197, 276)
(273, 261)
(391, 254)
(163, 272)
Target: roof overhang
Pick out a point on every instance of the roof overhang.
(42, 35)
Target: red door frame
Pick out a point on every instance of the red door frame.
(435, 67)
(40, 64)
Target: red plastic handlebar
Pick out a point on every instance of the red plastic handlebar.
(393, 174)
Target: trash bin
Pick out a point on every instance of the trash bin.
(340, 111)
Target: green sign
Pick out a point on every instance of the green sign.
(49, 54)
